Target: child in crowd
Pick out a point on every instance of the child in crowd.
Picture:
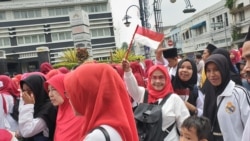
(195, 128)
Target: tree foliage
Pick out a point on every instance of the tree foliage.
(119, 54)
(229, 4)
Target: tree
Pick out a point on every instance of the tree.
(124, 46)
(229, 4)
(72, 57)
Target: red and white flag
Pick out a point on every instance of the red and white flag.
(148, 37)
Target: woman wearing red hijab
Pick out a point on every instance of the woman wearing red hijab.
(67, 124)
(7, 90)
(174, 111)
(97, 92)
(45, 67)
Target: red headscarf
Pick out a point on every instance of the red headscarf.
(119, 69)
(5, 135)
(16, 79)
(45, 67)
(51, 73)
(154, 95)
(67, 124)
(25, 75)
(7, 86)
(97, 92)
(63, 70)
(237, 56)
(148, 64)
(138, 73)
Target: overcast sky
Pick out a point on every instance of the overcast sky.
(171, 14)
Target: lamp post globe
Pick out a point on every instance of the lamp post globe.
(127, 23)
(172, 1)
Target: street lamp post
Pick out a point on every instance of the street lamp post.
(126, 17)
(143, 22)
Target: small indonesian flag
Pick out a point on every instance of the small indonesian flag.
(148, 37)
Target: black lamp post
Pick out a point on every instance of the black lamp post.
(189, 7)
(143, 22)
(126, 17)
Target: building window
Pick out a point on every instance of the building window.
(101, 32)
(2, 16)
(26, 14)
(31, 39)
(4, 42)
(94, 8)
(199, 31)
(242, 16)
(219, 20)
(213, 21)
(187, 34)
(59, 11)
(60, 36)
(226, 19)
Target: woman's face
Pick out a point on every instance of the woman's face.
(213, 74)
(26, 89)
(158, 80)
(205, 54)
(55, 98)
(185, 71)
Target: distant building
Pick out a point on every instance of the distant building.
(35, 31)
(219, 25)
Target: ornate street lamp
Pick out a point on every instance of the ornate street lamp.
(126, 17)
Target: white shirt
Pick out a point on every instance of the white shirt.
(6, 120)
(97, 134)
(174, 109)
(200, 103)
(29, 126)
(246, 133)
(233, 112)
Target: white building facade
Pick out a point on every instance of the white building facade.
(26, 25)
(218, 25)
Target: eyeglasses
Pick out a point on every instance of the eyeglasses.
(160, 77)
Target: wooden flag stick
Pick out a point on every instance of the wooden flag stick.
(130, 45)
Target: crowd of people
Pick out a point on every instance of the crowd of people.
(208, 98)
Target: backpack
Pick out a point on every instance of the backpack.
(148, 119)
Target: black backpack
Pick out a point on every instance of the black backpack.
(148, 119)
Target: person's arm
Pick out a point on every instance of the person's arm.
(160, 60)
(200, 103)
(246, 135)
(135, 91)
(181, 111)
(29, 126)
(244, 104)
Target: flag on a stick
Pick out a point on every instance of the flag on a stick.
(148, 37)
